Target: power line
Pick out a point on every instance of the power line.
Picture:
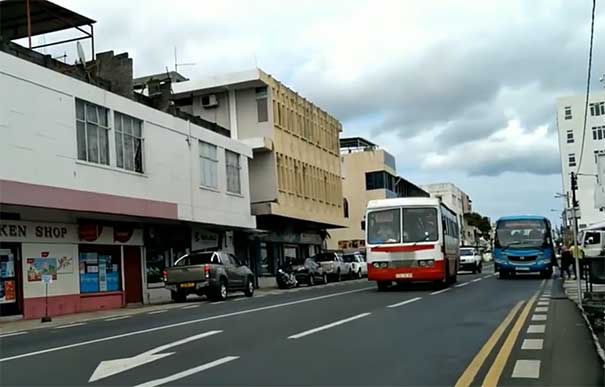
(594, 6)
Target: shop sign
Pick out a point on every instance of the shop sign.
(109, 235)
(203, 239)
(18, 231)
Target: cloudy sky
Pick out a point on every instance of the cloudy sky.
(458, 91)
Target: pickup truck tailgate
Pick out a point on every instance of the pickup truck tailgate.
(179, 274)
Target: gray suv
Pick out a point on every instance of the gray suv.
(213, 274)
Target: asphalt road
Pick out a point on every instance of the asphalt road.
(349, 334)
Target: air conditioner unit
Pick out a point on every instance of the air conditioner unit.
(209, 101)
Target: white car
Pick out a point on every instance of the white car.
(359, 267)
(333, 265)
(470, 259)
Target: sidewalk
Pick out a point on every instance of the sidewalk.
(570, 288)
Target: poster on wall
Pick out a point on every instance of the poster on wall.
(7, 277)
(65, 265)
(89, 278)
(103, 272)
(37, 267)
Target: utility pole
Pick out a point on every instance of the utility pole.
(574, 205)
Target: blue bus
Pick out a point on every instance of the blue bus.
(523, 244)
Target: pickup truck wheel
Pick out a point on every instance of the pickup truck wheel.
(220, 292)
(474, 271)
(480, 267)
(338, 276)
(324, 278)
(178, 296)
(359, 275)
(249, 292)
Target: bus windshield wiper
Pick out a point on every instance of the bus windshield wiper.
(510, 244)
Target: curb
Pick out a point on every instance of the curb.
(595, 339)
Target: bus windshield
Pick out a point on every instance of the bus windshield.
(419, 225)
(526, 233)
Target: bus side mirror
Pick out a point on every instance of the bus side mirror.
(363, 225)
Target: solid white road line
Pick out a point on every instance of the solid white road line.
(486, 276)
(541, 309)
(536, 328)
(441, 291)
(328, 326)
(69, 326)
(405, 302)
(13, 334)
(461, 284)
(158, 311)
(527, 369)
(189, 372)
(118, 318)
(217, 302)
(476, 280)
(538, 317)
(240, 299)
(532, 344)
(183, 323)
(191, 307)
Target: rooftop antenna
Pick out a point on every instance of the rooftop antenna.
(177, 64)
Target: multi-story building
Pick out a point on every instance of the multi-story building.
(295, 179)
(368, 173)
(458, 201)
(99, 190)
(576, 147)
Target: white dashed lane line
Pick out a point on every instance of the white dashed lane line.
(69, 326)
(542, 309)
(542, 303)
(190, 307)
(158, 311)
(538, 317)
(328, 326)
(476, 280)
(13, 334)
(532, 344)
(441, 291)
(461, 284)
(118, 318)
(536, 328)
(405, 302)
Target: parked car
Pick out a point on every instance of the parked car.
(333, 265)
(309, 272)
(359, 267)
(470, 259)
(213, 274)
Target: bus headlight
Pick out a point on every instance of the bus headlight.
(380, 265)
(426, 263)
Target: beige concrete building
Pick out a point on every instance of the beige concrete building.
(369, 173)
(295, 176)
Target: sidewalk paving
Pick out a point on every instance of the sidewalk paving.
(13, 326)
(570, 288)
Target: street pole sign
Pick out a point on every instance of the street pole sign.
(47, 279)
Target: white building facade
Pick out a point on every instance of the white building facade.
(105, 190)
(457, 200)
(570, 124)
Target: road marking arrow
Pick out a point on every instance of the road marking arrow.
(108, 368)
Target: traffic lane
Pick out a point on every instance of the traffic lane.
(427, 342)
(242, 329)
(52, 337)
(253, 330)
(58, 336)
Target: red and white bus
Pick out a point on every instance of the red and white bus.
(411, 239)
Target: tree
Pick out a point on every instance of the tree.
(481, 222)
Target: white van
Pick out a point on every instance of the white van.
(593, 240)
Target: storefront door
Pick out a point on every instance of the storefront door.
(132, 274)
(11, 296)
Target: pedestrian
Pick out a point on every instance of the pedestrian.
(577, 252)
(566, 260)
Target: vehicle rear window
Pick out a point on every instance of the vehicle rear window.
(197, 259)
(466, 252)
(349, 258)
(324, 257)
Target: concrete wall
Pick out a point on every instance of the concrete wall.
(247, 116)
(586, 184)
(218, 114)
(263, 177)
(37, 120)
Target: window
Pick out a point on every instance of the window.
(598, 133)
(572, 159)
(597, 153)
(129, 142)
(209, 164)
(570, 139)
(92, 132)
(233, 172)
(592, 238)
(100, 269)
(597, 109)
(420, 225)
(345, 207)
(262, 104)
(197, 259)
(568, 112)
(384, 226)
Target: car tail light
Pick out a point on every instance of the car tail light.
(206, 271)
(165, 275)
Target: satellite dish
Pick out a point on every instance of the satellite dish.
(81, 55)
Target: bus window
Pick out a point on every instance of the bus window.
(384, 226)
(420, 225)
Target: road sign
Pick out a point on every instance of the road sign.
(47, 278)
(111, 367)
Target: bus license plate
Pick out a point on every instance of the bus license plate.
(403, 275)
(188, 285)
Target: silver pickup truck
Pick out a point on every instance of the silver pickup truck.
(213, 274)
